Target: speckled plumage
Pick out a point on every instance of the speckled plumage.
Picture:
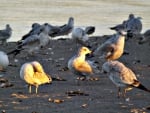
(122, 76)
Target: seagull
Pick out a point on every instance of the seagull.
(122, 76)
(5, 34)
(64, 29)
(33, 74)
(80, 66)
(36, 29)
(113, 48)
(4, 61)
(80, 36)
(32, 43)
(133, 25)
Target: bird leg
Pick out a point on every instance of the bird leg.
(119, 92)
(36, 89)
(124, 92)
(29, 88)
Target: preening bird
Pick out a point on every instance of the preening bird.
(5, 34)
(113, 48)
(80, 66)
(4, 61)
(122, 76)
(33, 74)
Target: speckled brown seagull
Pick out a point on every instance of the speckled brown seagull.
(122, 76)
(113, 48)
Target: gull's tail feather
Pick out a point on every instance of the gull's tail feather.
(138, 85)
(143, 88)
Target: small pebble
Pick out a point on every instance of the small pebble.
(58, 101)
(84, 105)
(127, 99)
(16, 60)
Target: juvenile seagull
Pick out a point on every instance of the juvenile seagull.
(5, 34)
(33, 74)
(113, 48)
(4, 61)
(122, 76)
(80, 66)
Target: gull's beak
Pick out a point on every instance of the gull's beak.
(90, 55)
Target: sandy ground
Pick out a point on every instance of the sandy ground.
(97, 96)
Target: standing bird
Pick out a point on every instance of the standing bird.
(5, 34)
(122, 76)
(133, 26)
(4, 61)
(113, 48)
(80, 66)
(33, 74)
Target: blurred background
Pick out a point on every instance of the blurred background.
(21, 14)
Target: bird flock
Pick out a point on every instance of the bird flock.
(79, 64)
